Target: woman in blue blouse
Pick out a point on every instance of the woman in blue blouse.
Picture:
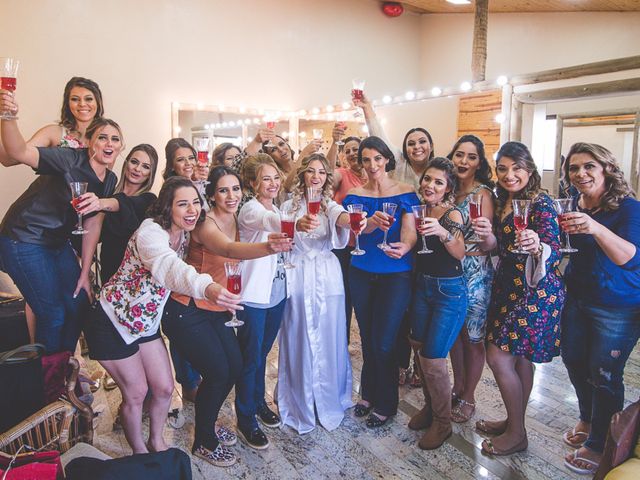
(601, 319)
(380, 280)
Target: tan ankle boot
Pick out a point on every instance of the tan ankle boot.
(423, 418)
(439, 386)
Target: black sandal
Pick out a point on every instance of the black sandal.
(374, 421)
(361, 410)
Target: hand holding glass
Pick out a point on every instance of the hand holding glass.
(389, 209)
(520, 219)
(77, 190)
(317, 135)
(233, 271)
(342, 126)
(8, 79)
(475, 211)
(420, 212)
(355, 217)
(564, 206)
(314, 196)
(270, 126)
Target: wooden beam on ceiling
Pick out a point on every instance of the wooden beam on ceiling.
(479, 48)
(520, 6)
(591, 90)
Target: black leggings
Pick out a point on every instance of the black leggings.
(212, 349)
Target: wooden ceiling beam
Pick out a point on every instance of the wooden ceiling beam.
(591, 90)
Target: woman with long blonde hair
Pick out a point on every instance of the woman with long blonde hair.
(314, 371)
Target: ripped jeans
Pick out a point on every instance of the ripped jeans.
(596, 343)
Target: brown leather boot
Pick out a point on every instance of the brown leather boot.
(439, 386)
(423, 418)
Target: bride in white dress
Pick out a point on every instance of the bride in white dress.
(314, 369)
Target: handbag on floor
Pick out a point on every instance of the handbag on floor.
(31, 466)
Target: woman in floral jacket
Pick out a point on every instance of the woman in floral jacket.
(124, 335)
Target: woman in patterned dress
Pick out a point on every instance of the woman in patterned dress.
(527, 297)
(468, 353)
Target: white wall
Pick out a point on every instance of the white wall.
(147, 53)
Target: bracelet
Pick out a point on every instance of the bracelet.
(538, 252)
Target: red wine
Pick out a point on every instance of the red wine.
(287, 226)
(354, 220)
(271, 125)
(234, 283)
(357, 94)
(9, 83)
(75, 202)
(314, 207)
(520, 222)
(475, 210)
(562, 218)
(418, 222)
(203, 157)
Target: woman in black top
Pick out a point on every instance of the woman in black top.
(34, 235)
(440, 299)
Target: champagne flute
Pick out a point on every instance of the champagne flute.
(389, 209)
(8, 78)
(520, 219)
(234, 285)
(420, 212)
(564, 206)
(314, 196)
(317, 135)
(288, 225)
(343, 126)
(77, 190)
(355, 217)
(271, 125)
(357, 92)
(202, 147)
(475, 211)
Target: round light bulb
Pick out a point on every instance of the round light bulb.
(500, 118)
(502, 80)
(410, 95)
(386, 99)
(436, 91)
(465, 86)
(329, 108)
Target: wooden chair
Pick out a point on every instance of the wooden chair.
(57, 426)
(621, 439)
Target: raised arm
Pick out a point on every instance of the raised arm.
(14, 145)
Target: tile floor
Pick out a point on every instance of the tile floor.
(354, 451)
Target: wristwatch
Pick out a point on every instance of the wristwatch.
(448, 238)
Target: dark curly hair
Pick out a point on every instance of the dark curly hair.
(617, 188)
(444, 165)
(520, 154)
(161, 209)
(67, 120)
(483, 173)
(377, 144)
(413, 130)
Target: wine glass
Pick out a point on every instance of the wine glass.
(355, 217)
(288, 225)
(520, 219)
(357, 92)
(475, 211)
(202, 147)
(420, 212)
(564, 206)
(234, 285)
(388, 209)
(314, 196)
(8, 74)
(77, 190)
(317, 135)
(341, 124)
(271, 125)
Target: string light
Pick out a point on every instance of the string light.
(387, 99)
(465, 86)
(410, 95)
(436, 91)
(502, 80)
(500, 118)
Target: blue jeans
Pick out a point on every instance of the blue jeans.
(596, 343)
(47, 278)
(256, 338)
(437, 313)
(380, 302)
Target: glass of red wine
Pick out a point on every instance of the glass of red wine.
(271, 125)
(355, 217)
(564, 206)
(475, 211)
(314, 196)
(389, 209)
(77, 190)
(8, 79)
(420, 212)
(520, 219)
(234, 285)
(357, 92)
(288, 226)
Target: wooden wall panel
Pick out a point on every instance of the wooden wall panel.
(518, 6)
(476, 115)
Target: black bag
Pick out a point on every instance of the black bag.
(172, 464)
(21, 385)
(13, 324)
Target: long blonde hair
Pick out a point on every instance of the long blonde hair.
(299, 189)
(252, 167)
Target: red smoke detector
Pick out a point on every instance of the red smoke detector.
(392, 9)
